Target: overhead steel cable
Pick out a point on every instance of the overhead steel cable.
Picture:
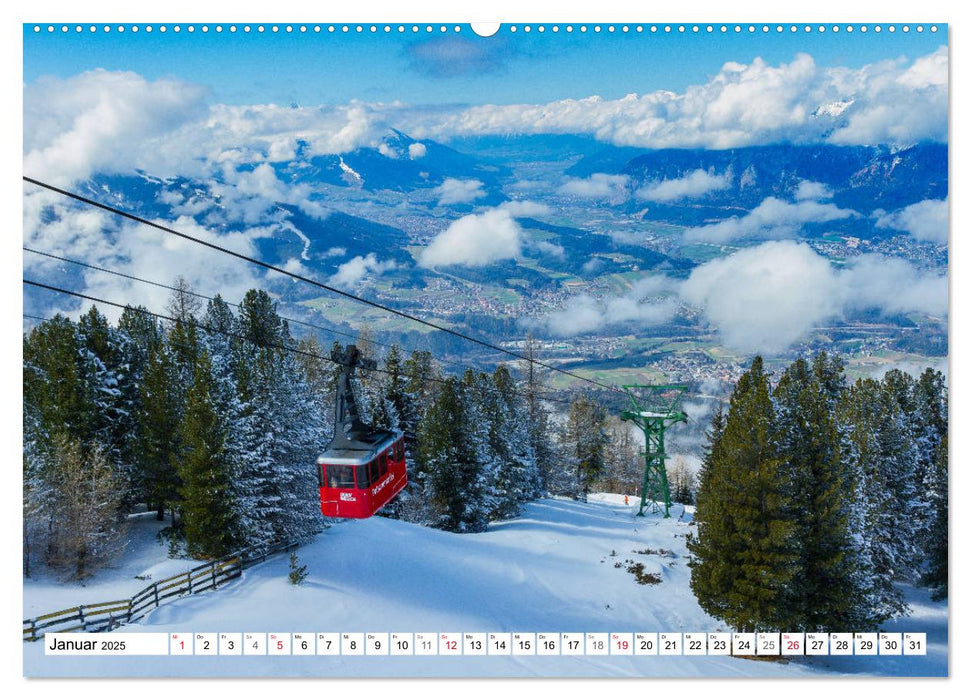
(334, 290)
(229, 334)
(161, 285)
(184, 291)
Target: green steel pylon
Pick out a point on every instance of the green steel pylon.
(654, 408)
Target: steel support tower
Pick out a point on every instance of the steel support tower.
(654, 408)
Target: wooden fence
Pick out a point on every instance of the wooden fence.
(100, 617)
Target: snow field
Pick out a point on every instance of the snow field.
(550, 570)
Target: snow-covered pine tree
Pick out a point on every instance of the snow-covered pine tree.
(826, 589)
(101, 368)
(711, 576)
(563, 477)
(255, 482)
(518, 477)
(224, 354)
(539, 424)
(454, 459)
(935, 576)
(390, 406)
(900, 453)
(625, 465)
(744, 555)
(930, 419)
(389, 395)
(137, 332)
(868, 417)
(298, 572)
(304, 433)
(208, 518)
(276, 482)
(478, 462)
(420, 380)
(54, 385)
(160, 412)
(586, 438)
(437, 459)
(229, 359)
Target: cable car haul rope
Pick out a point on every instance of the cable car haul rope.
(362, 468)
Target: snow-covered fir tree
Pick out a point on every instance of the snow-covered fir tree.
(835, 520)
(624, 471)
(868, 420)
(585, 439)
(157, 440)
(827, 591)
(205, 470)
(281, 431)
(682, 482)
(518, 479)
(935, 576)
(540, 427)
(421, 379)
(745, 554)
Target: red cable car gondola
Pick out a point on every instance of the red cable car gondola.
(363, 467)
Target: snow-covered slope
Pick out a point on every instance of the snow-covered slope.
(552, 570)
(143, 560)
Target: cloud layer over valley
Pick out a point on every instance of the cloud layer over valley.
(764, 298)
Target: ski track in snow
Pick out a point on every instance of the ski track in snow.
(550, 570)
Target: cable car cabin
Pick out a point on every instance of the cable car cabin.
(357, 483)
(362, 468)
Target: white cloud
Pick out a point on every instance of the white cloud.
(248, 195)
(551, 249)
(475, 240)
(256, 128)
(815, 191)
(893, 285)
(352, 272)
(894, 101)
(927, 71)
(773, 218)
(765, 298)
(692, 185)
(456, 191)
(926, 220)
(117, 121)
(593, 265)
(649, 301)
(417, 150)
(525, 208)
(101, 120)
(114, 121)
(597, 186)
(386, 150)
(621, 237)
(99, 239)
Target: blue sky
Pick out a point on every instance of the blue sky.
(437, 68)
